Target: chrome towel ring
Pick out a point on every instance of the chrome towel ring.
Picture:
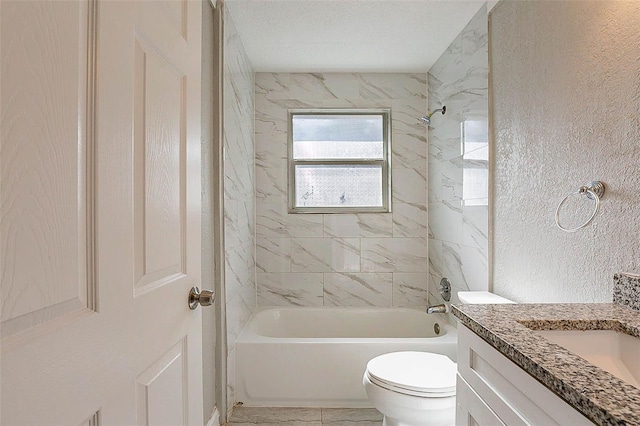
(594, 191)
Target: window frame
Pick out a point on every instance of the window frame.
(385, 162)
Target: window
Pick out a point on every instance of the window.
(475, 157)
(339, 161)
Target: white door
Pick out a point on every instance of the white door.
(100, 225)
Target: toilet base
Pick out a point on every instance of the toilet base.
(407, 410)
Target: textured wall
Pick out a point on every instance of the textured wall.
(566, 103)
(239, 187)
(375, 259)
(458, 163)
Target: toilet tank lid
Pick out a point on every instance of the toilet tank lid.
(481, 297)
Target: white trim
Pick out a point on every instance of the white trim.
(215, 418)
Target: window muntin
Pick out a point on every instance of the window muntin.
(339, 161)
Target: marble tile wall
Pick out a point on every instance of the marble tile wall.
(374, 259)
(239, 189)
(458, 163)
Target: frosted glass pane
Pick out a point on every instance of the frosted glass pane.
(337, 136)
(475, 135)
(475, 183)
(338, 186)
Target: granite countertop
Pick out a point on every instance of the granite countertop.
(597, 394)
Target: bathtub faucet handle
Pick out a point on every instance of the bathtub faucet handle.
(445, 289)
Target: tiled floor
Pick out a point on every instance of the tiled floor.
(263, 416)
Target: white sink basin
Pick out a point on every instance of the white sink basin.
(615, 352)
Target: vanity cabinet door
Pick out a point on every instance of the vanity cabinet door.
(513, 395)
(471, 410)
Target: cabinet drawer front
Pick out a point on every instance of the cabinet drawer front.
(471, 410)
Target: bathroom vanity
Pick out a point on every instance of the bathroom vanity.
(513, 370)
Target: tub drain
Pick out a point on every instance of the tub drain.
(436, 328)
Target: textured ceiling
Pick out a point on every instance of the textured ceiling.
(348, 35)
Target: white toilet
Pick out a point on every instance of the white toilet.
(412, 388)
(418, 388)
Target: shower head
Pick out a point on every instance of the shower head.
(427, 118)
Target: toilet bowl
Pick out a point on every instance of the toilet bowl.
(418, 388)
(412, 388)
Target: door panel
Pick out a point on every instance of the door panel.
(163, 378)
(46, 234)
(159, 164)
(100, 234)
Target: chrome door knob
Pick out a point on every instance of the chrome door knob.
(197, 297)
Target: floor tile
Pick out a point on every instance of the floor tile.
(350, 415)
(291, 423)
(269, 415)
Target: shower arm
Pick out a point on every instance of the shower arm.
(443, 109)
(427, 118)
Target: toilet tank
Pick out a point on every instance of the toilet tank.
(481, 297)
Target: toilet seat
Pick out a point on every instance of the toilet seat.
(420, 374)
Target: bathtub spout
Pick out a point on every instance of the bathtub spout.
(438, 309)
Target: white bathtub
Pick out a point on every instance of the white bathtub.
(315, 357)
